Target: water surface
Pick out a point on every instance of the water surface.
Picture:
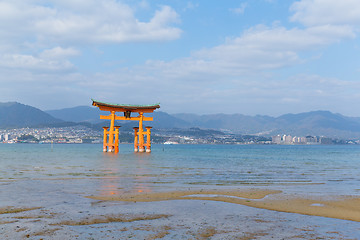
(318, 169)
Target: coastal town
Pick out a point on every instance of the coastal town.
(77, 134)
(81, 134)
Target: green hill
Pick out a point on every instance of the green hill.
(13, 114)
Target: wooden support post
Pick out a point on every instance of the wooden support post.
(136, 139)
(141, 133)
(105, 143)
(111, 146)
(116, 139)
(148, 140)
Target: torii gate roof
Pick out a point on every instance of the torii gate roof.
(125, 107)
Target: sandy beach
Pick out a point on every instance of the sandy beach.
(195, 214)
(340, 207)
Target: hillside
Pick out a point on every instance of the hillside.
(13, 114)
(77, 114)
(318, 123)
(321, 123)
(238, 123)
(82, 114)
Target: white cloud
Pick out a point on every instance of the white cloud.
(239, 10)
(323, 12)
(144, 4)
(28, 62)
(233, 76)
(259, 48)
(182, 91)
(79, 22)
(59, 53)
(105, 21)
(247, 94)
(191, 6)
(280, 38)
(29, 27)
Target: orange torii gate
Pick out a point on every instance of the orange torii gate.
(111, 134)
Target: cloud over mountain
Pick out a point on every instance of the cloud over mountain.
(182, 54)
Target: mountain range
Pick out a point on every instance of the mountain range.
(316, 123)
(13, 114)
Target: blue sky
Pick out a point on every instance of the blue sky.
(267, 57)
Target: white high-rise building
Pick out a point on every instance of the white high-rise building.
(276, 139)
(287, 139)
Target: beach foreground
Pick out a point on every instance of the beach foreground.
(75, 193)
(344, 207)
(203, 214)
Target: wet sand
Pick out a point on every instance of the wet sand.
(344, 207)
(196, 214)
(178, 195)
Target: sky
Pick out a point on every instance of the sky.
(254, 57)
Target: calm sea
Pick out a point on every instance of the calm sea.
(316, 169)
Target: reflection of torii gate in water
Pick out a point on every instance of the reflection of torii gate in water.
(111, 135)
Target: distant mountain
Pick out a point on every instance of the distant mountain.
(319, 119)
(319, 123)
(77, 114)
(237, 123)
(92, 115)
(13, 114)
(310, 123)
(165, 120)
(316, 123)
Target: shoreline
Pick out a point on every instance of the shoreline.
(338, 207)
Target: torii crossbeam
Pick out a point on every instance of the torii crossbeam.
(111, 134)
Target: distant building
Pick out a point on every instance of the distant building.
(311, 140)
(87, 140)
(299, 140)
(276, 139)
(287, 139)
(325, 140)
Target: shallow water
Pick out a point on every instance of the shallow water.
(318, 169)
(58, 178)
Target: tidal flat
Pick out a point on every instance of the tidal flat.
(242, 192)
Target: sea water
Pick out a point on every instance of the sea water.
(57, 179)
(310, 169)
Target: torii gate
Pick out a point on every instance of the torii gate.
(111, 135)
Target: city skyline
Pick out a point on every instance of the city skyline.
(252, 57)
